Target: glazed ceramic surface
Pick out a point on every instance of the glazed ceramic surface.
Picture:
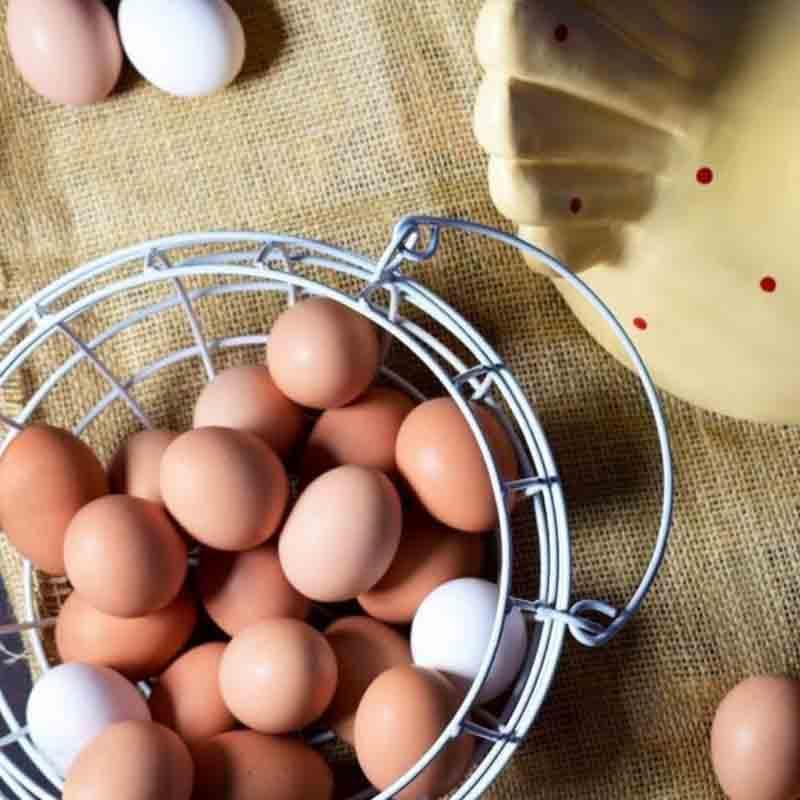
(653, 145)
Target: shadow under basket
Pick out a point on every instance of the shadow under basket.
(210, 297)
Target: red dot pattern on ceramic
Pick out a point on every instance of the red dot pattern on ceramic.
(705, 175)
(768, 284)
(640, 323)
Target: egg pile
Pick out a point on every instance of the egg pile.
(326, 516)
(70, 51)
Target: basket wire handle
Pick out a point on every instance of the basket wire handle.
(407, 245)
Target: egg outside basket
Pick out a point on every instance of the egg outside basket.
(192, 270)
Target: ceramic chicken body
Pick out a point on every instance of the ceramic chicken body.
(652, 145)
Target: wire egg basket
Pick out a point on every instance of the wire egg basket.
(463, 364)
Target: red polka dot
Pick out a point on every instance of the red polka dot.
(575, 205)
(561, 33)
(768, 284)
(705, 175)
(640, 323)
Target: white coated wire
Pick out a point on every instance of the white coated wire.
(272, 263)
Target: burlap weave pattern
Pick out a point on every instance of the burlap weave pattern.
(350, 113)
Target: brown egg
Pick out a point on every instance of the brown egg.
(138, 647)
(239, 589)
(247, 399)
(187, 697)
(132, 761)
(278, 675)
(245, 765)
(429, 555)
(439, 457)
(227, 488)
(363, 433)
(66, 50)
(124, 556)
(402, 714)
(322, 354)
(755, 740)
(46, 476)
(364, 648)
(342, 534)
(136, 468)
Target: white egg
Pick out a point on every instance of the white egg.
(72, 703)
(187, 48)
(451, 632)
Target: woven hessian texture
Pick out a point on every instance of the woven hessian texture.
(348, 115)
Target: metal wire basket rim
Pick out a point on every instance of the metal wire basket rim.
(386, 274)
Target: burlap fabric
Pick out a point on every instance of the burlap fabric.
(348, 115)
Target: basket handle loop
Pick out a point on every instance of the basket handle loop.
(408, 244)
(405, 245)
